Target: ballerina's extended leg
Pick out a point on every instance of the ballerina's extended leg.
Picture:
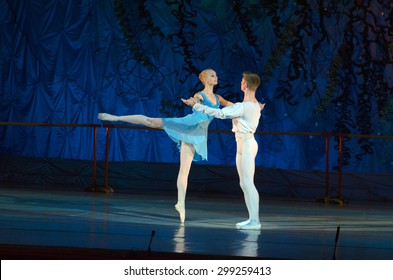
(134, 119)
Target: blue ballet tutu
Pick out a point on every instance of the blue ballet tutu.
(191, 129)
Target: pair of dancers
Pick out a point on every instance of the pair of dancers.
(190, 132)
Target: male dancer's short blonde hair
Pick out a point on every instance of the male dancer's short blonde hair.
(252, 80)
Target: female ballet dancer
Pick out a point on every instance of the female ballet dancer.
(190, 132)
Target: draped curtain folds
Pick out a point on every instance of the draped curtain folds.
(326, 66)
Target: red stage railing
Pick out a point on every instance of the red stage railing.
(108, 127)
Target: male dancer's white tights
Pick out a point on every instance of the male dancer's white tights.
(245, 163)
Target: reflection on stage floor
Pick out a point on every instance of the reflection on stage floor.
(60, 224)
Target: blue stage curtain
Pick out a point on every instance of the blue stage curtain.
(326, 66)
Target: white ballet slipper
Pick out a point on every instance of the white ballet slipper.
(106, 117)
(251, 226)
(238, 225)
(182, 212)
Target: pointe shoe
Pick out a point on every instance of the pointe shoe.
(182, 212)
(251, 226)
(238, 225)
(106, 117)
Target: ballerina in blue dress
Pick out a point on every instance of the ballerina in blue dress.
(190, 132)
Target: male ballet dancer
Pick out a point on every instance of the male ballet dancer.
(245, 121)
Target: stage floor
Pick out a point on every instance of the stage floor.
(48, 223)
